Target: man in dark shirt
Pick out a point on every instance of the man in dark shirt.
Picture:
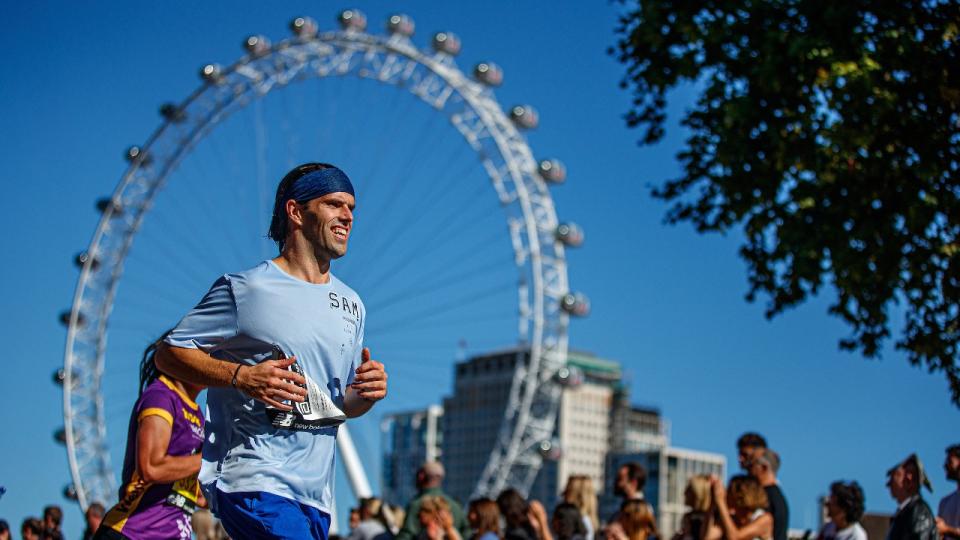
(764, 468)
(913, 519)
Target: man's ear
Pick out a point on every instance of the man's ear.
(294, 212)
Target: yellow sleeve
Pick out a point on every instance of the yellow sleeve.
(156, 411)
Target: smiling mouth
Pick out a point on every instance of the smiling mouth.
(341, 233)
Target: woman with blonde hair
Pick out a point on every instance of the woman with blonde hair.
(698, 523)
(436, 520)
(741, 511)
(637, 521)
(484, 518)
(581, 493)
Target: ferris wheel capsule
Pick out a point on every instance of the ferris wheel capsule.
(304, 27)
(70, 492)
(353, 19)
(446, 43)
(549, 450)
(488, 73)
(83, 258)
(553, 171)
(60, 436)
(211, 73)
(569, 377)
(172, 113)
(65, 318)
(256, 45)
(575, 304)
(570, 234)
(134, 153)
(59, 376)
(400, 24)
(107, 203)
(525, 117)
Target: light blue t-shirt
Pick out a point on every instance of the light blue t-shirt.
(243, 318)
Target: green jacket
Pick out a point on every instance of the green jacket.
(411, 522)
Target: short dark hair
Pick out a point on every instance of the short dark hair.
(953, 450)
(96, 509)
(513, 508)
(567, 521)
(53, 512)
(636, 473)
(751, 439)
(33, 525)
(3, 526)
(849, 497)
(278, 223)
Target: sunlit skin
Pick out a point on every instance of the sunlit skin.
(903, 482)
(951, 466)
(746, 454)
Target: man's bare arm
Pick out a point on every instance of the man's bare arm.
(268, 381)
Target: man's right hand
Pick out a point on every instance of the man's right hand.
(272, 383)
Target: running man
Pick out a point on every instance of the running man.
(280, 347)
(160, 466)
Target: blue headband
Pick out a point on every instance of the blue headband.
(317, 184)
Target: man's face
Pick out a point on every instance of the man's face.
(755, 469)
(746, 454)
(903, 482)
(952, 467)
(623, 482)
(327, 222)
(834, 510)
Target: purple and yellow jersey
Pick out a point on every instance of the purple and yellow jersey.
(159, 511)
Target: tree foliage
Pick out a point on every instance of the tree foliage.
(827, 131)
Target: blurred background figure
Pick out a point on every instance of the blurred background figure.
(436, 520)
(764, 466)
(580, 492)
(948, 513)
(913, 519)
(429, 482)
(845, 508)
(741, 512)
(93, 516)
(698, 523)
(567, 523)
(635, 521)
(372, 525)
(31, 529)
(206, 526)
(749, 445)
(4, 530)
(484, 518)
(52, 518)
(354, 519)
(522, 520)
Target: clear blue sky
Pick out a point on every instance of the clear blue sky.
(82, 83)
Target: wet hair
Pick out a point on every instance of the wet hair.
(747, 493)
(487, 516)
(278, 223)
(567, 521)
(148, 368)
(514, 508)
(849, 497)
(636, 518)
(751, 439)
(636, 473)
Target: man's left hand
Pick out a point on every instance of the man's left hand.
(370, 382)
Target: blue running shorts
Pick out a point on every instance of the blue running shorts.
(256, 515)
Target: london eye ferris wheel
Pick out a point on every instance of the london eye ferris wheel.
(471, 228)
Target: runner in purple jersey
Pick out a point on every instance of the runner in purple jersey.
(164, 439)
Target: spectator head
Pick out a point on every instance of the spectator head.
(581, 493)
(567, 523)
(94, 515)
(905, 479)
(52, 516)
(513, 507)
(747, 446)
(744, 496)
(398, 513)
(952, 464)
(845, 504)
(764, 466)
(698, 495)
(432, 509)
(430, 475)
(636, 518)
(31, 529)
(369, 508)
(484, 516)
(354, 518)
(4, 530)
(631, 477)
